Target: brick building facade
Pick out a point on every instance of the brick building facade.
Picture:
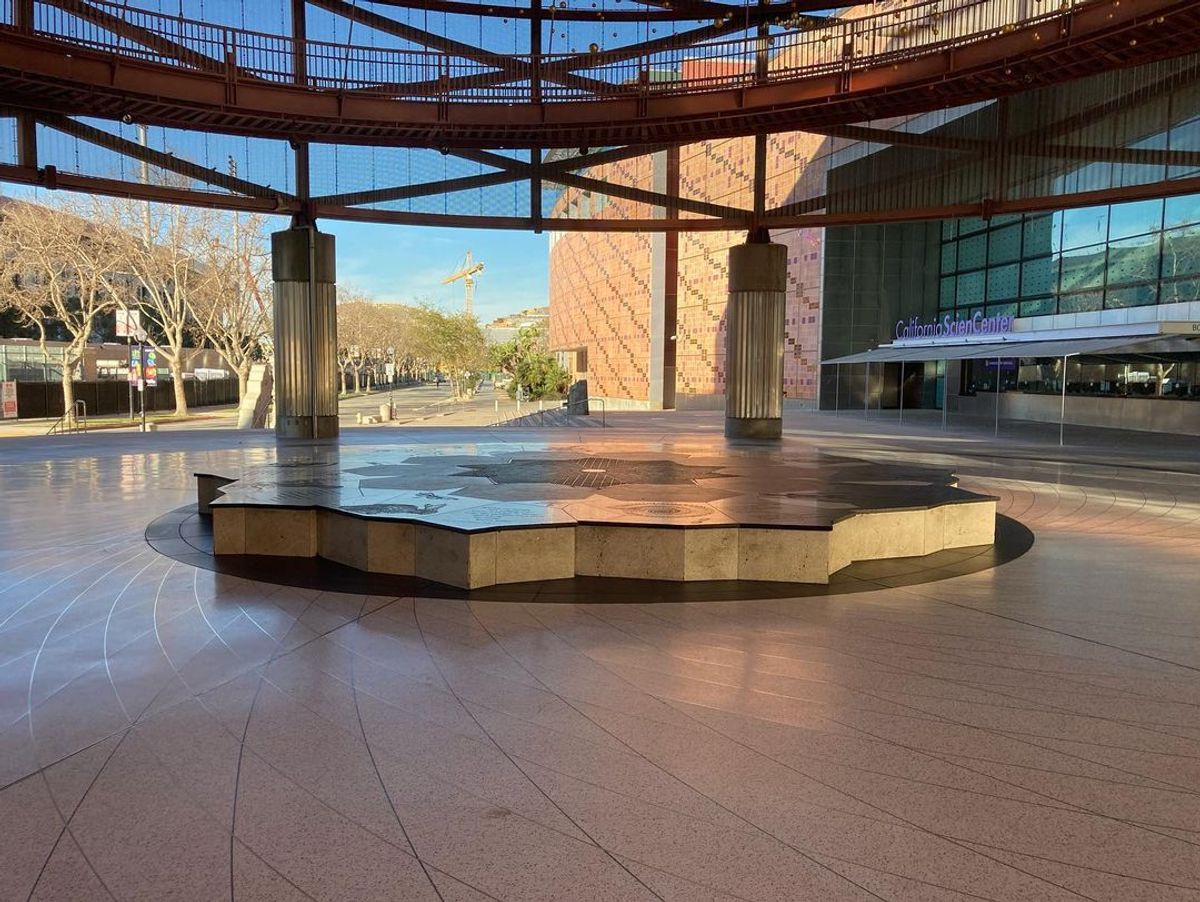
(604, 287)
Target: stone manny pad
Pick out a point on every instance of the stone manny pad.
(484, 514)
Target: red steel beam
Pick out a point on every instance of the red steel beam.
(35, 71)
(51, 179)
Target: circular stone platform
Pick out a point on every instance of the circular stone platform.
(486, 514)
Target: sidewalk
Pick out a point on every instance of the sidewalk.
(201, 418)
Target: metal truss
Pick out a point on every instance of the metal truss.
(569, 101)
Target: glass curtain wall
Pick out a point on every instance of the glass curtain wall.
(1173, 377)
(1072, 261)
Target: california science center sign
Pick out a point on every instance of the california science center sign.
(946, 327)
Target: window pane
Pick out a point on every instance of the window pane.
(1038, 307)
(1185, 137)
(1127, 220)
(949, 256)
(971, 225)
(949, 229)
(1142, 173)
(946, 293)
(1084, 227)
(1001, 309)
(1181, 290)
(1082, 268)
(1091, 177)
(1037, 236)
(970, 289)
(1183, 210)
(1037, 277)
(1080, 303)
(1181, 252)
(1004, 244)
(1133, 260)
(1002, 282)
(972, 252)
(1131, 296)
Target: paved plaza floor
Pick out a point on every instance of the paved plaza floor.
(1030, 731)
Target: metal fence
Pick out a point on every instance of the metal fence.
(36, 400)
(808, 46)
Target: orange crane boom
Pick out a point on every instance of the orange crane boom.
(467, 273)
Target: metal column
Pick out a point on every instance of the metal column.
(755, 341)
(945, 390)
(996, 432)
(1062, 411)
(306, 374)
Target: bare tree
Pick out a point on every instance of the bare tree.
(162, 250)
(231, 307)
(358, 335)
(56, 268)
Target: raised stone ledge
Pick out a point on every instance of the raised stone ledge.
(510, 516)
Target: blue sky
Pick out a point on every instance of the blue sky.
(403, 263)
(408, 263)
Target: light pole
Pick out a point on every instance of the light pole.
(392, 382)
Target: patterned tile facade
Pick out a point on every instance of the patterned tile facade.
(600, 287)
(600, 284)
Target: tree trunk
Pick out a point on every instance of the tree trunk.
(68, 387)
(181, 408)
(358, 380)
(243, 375)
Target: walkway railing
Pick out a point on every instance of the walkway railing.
(73, 420)
(843, 45)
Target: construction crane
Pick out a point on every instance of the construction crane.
(466, 272)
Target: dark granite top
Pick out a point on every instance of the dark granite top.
(482, 486)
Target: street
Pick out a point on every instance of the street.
(433, 405)
(416, 405)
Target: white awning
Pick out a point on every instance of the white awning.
(1026, 346)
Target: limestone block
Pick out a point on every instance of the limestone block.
(229, 530)
(710, 553)
(784, 555)
(632, 552)
(935, 528)
(465, 560)
(281, 532)
(342, 538)
(252, 410)
(970, 523)
(529, 554)
(879, 534)
(390, 547)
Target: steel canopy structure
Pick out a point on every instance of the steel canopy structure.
(542, 118)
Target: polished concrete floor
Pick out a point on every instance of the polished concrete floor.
(1028, 732)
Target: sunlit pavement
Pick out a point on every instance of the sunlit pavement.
(1026, 732)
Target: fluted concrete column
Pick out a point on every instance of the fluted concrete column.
(754, 340)
(306, 377)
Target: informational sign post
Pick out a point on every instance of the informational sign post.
(8, 401)
(135, 367)
(150, 371)
(129, 325)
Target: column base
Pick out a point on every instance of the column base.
(754, 427)
(301, 427)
